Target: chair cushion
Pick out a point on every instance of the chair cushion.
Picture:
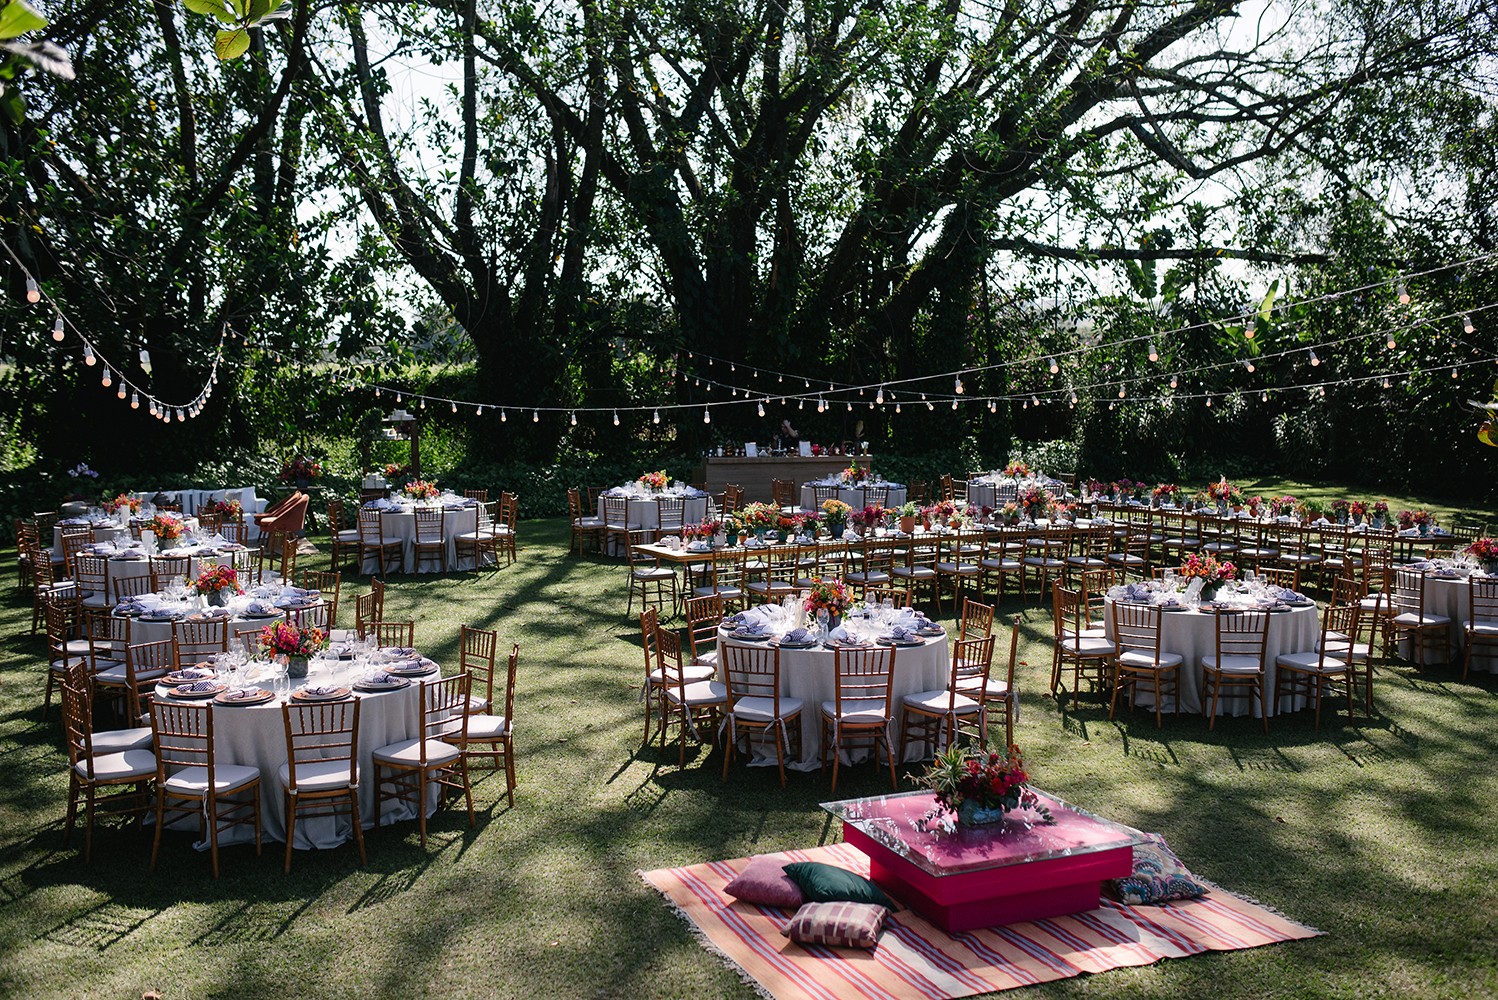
(727, 593)
(1002, 565)
(77, 647)
(484, 728)
(763, 882)
(121, 740)
(693, 673)
(407, 753)
(937, 701)
(961, 569)
(226, 778)
(1310, 661)
(915, 572)
(994, 689)
(838, 925)
(62, 666)
(117, 676)
(859, 711)
(1088, 645)
(654, 574)
(1232, 664)
(873, 577)
(763, 709)
(116, 766)
(1374, 602)
(1410, 618)
(316, 775)
(590, 522)
(476, 536)
(699, 693)
(348, 535)
(476, 705)
(1140, 660)
(1482, 628)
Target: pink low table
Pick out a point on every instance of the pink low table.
(963, 878)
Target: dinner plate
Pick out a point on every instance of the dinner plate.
(258, 699)
(212, 692)
(749, 636)
(395, 685)
(795, 645)
(302, 694)
(886, 641)
(848, 645)
(1173, 607)
(938, 630)
(1300, 604)
(175, 677)
(411, 671)
(158, 618)
(260, 614)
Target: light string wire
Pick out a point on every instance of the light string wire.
(113, 372)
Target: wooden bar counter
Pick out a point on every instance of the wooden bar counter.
(755, 474)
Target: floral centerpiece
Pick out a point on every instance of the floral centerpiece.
(756, 518)
(1358, 511)
(1010, 512)
(981, 787)
(789, 525)
(396, 471)
(1283, 506)
(301, 470)
(168, 528)
(420, 489)
(654, 481)
(1017, 470)
(835, 513)
(1126, 489)
(1166, 493)
(1422, 520)
(1224, 493)
(706, 530)
(231, 509)
(1406, 519)
(870, 517)
(1096, 487)
(853, 474)
(1485, 551)
(832, 596)
(1210, 572)
(123, 502)
(294, 643)
(1255, 504)
(1340, 511)
(908, 512)
(1380, 513)
(215, 582)
(1312, 509)
(1033, 500)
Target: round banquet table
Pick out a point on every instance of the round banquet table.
(808, 674)
(853, 495)
(138, 564)
(402, 524)
(1449, 598)
(1193, 634)
(148, 630)
(255, 735)
(647, 514)
(103, 531)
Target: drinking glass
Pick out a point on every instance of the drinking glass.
(281, 682)
(822, 621)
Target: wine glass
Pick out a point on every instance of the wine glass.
(822, 621)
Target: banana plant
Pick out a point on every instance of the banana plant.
(238, 17)
(17, 17)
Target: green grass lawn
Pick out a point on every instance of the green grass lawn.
(1381, 833)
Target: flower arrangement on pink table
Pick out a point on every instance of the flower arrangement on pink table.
(966, 780)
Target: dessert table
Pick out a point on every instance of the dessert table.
(255, 735)
(808, 674)
(1193, 634)
(398, 520)
(963, 878)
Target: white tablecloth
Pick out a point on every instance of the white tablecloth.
(853, 496)
(159, 631)
(808, 674)
(256, 735)
(402, 525)
(1193, 634)
(648, 514)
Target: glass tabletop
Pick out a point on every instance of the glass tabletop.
(911, 825)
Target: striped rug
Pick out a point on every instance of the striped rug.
(918, 960)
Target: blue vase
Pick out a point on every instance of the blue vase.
(970, 813)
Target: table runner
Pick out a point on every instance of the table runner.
(916, 960)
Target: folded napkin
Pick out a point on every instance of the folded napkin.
(1285, 594)
(401, 651)
(130, 556)
(797, 635)
(198, 686)
(217, 612)
(298, 591)
(900, 633)
(125, 608)
(325, 691)
(761, 613)
(415, 664)
(753, 628)
(259, 608)
(241, 694)
(382, 678)
(1168, 602)
(839, 634)
(193, 674)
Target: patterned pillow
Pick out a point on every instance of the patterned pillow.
(1158, 877)
(764, 881)
(841, 924)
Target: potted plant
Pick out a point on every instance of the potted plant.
(909, 511)
(981, 787)
(835, 514)
(292, 642)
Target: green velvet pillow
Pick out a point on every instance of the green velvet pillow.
(829, 884)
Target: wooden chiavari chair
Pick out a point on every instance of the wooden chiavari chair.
(495, 729)
(434, 757)
(321, 775)
(755, 704)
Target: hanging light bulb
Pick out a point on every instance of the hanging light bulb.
(1120, 392)
(993, 407)
(656, 418)
(33, 294)
(800, 404)
(503, 416)
(880, 397)
(850, 407)
(1404, 296)
(108, 378)
(423, 402)
(1024, 406)
(1314, 360)
(1248, 331)
(535, 416)
(616, 418)
(1173, 381)
(1386, 381)
(1248, 364)
(1453, 373)
(707, 417)
(1467, 324)
(455, 407)
(1263, 397)
(121, 393)
(57, 333)
(1209, 400)
(1390, 341)
(479, 412)
(1034, 399)
(135, 401)
(573, 418)
(1074, 399)
(88, 354)
(1051, 364)
(954, 404)
(397, 398)
(780, 379)
(732, 367)
(180, 417)
(821, 406)
(762, 408)
(897, 407)
(1154, 354)
(1110, 406)
(958, 386)
(1323, 388)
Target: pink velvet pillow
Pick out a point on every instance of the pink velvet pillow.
(764, 882)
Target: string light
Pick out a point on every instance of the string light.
(573, 419)
(135, 401)
(57, 333)
(88, 354)
(1467, 324)
(958, 387)
(1172, 381)
(954, 404)
(1249, 365)
(33, 293)
(761, 407)
(1314, 360)
(503, 417)
(1404, 296)
(880, 397)
(423, 402)
(1154, 354)
(616, 418)
(1035, 399)
(1453, 373)
(1248, 331)
(1209, 400)
(707, 417)
(656, 418)
(108, 378)
(897, 406)
(455, 407)
(1391, 340)
(180, 417)
(1051, 363)
(535, 416)
(121, 393)
(479, 412)
(1074, 399)
(1120, 392)
(1386, 382)
(1263, 397)
(821, 406)
(850, 407)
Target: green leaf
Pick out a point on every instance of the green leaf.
(231, 44)
(209, 7)
(258, 9)
(1267, 306)
(19, 17)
